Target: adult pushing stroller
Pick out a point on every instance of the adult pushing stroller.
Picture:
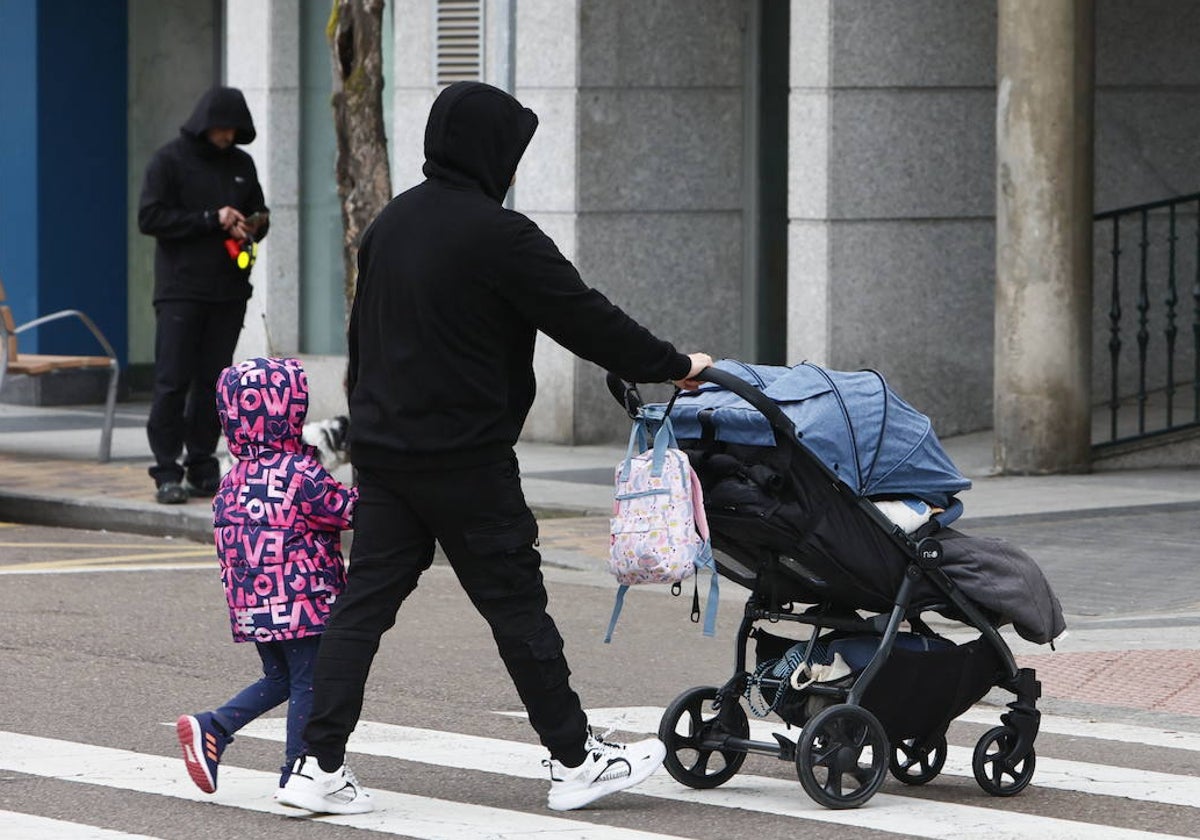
(795, 463)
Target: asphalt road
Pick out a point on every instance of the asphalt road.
(109, 637)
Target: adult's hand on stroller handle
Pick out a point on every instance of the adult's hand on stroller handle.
(627, 396)
(700, 363)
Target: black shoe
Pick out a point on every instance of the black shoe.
(170, 493)
(205, 489)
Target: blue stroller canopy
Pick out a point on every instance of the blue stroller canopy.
(874, 441)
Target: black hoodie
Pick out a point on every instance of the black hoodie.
(187, 181)
(452, 289)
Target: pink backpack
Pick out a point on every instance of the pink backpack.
(659, 533)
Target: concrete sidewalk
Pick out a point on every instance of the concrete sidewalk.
(49, 475)
(1120, 548)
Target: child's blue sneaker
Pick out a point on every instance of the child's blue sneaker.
(202, 744)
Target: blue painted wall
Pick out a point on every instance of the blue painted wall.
(18, 156)
(63, 66)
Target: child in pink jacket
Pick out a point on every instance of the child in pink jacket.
(277, 521)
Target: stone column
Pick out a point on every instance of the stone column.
(547, 59)
(810, 133)
(262, 58)
(1042, 380)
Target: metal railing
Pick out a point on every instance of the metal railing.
(1153, 256)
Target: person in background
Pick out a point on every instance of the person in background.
(202, 202)
(278, 518)
(452, 290)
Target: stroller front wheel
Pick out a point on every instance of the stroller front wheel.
(693, 730)
(995, 771)
(842, 756)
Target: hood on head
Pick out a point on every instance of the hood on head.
(262, 404)
(476, 134)
(221, 107)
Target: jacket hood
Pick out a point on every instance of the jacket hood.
(262, 404)
(221, 107)
(476, 134)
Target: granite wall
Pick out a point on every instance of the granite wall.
(891, 197)
(892, 190)
(659, 174)
(637, 171)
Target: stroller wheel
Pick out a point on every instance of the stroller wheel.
(994, 768)
(694, 730)
(916, 765)
(842, 756)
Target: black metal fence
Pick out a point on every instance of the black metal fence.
(1147, 293)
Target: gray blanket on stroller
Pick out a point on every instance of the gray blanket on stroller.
(1001, 578)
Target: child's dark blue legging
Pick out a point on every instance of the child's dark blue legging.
(287, 675)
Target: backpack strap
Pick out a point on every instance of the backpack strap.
(704, 560)
(637, 445)
(616, 613)
(664, 439)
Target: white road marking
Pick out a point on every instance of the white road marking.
(908, 816)
(646, 719)
(1081, 728)
(30, 827)
(1060, 774)
(396, 813)
(148, 567)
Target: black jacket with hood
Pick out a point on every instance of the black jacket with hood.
(452, 289)
(187, 181)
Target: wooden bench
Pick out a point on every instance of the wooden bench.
(31, 364)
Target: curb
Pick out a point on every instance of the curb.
(93, 514)
(109, 515)
(193, 520)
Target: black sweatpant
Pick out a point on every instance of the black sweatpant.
(193, 342)
(480, 518)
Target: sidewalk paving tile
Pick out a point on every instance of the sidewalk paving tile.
(1153, 680)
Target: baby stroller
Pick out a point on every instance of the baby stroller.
(787, 462)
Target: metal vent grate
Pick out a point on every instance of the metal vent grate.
(459, 41)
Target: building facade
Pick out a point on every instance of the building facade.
(771, 180)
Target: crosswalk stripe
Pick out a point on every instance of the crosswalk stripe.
(419, 817)
(646, 718)
(1060, 774)
(904, 815)
(30, 827)
(1080, 728)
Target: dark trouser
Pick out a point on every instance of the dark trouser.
(193, 342)
(287, 675)
(479, 517)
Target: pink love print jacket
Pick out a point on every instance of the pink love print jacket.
(278, 514)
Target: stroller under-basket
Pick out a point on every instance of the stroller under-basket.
(788, 508)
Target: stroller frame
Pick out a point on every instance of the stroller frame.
(842, 753)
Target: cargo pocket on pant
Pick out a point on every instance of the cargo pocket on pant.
(503, 564)
(546, 648)
(502, 537)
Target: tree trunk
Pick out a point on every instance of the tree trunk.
(363, 179)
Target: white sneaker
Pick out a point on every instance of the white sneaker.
(607, 769)
(311, 788)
